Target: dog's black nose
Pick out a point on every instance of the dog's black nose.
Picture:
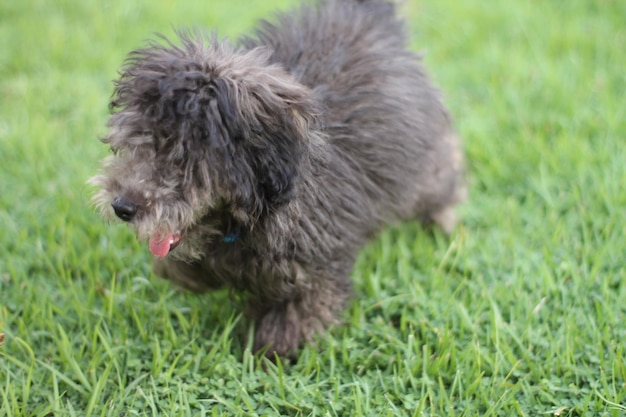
(124, 209)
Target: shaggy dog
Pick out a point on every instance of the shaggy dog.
(265, 167)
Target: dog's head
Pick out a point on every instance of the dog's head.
(201, 127)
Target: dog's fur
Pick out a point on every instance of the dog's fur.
(275, 161)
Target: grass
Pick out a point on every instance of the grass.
(519, 313)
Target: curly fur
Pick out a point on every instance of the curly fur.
(303, 142)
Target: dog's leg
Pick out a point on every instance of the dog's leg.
(281, 327)
(448, 188)
(191, 276)
(445, 216)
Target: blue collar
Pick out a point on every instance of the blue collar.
(231, 237)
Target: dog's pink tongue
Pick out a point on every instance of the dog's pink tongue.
(160, 245)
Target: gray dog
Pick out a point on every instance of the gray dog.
(266, 167)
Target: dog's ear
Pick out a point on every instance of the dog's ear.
(285, 113)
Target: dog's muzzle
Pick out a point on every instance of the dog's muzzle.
(124, 209)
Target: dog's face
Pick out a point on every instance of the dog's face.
(200, 128)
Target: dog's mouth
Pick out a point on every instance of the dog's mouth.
(161, 245)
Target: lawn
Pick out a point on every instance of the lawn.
(520, 312)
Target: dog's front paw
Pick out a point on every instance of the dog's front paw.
(278, 331)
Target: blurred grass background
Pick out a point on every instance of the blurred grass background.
(521, 312)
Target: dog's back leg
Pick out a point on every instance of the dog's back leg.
(446, 188)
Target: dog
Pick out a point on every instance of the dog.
(265, 167)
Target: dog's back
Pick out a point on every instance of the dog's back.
(319, 43)
(381, 111)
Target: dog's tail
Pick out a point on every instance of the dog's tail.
(383, 8)
(387, 3)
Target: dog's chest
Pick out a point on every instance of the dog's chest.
(246, 269)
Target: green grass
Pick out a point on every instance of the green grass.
(521, 312)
